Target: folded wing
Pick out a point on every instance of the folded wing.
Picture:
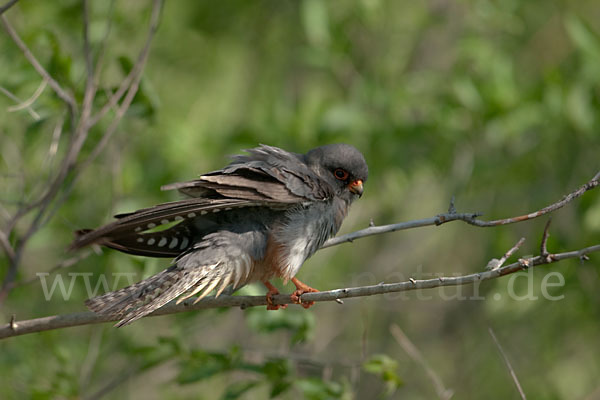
(267, 177)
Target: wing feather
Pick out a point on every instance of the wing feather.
(267, 172)
(133, 226)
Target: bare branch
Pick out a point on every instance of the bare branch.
(6, 246)
(132, 90)
(69, 262)
(17, 100)
(102, 50)
(469, 218)
(56, 134)
(495, 263)
(90, 87)
(27, 103)
(8, 5)
(88, 318)
(135, 73)
(66, 97)
(507, 362)
(69, 163)
(544, 243)
(120, 112)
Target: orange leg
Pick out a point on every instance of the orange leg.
(302, 288)
(272, 291)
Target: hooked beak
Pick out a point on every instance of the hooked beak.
(356, 187)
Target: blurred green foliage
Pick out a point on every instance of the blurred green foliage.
(495, 102)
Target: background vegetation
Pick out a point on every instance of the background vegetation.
(496, 102)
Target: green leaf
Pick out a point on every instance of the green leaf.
(279, 388)
(386, 368)
(300, 323)
(582, 36)
(316, 389)
(236, 389)
(201, 365)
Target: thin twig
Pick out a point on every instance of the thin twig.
(69, 163)
(69, 262)
(66, 97)
(134, 74)
(6, 246)
(87, 318)
(56, 134)
(495, 263)
(103, 42)
(27, 103)
(8, 5)
(90, 87)
(414, 353)
(544, 243)
(132, 90)
(120, 112)
(469, 218)
(14, 98)
(508, 366)
(85, 371)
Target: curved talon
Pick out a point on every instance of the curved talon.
(272, 291)
(301, 288)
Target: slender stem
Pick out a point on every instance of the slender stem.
(16, 328)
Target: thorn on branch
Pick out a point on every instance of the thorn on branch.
(451, 208)
(13, 322)
(544, 244)
(86, 318)
(494, 263)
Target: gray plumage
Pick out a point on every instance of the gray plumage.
(258, 218)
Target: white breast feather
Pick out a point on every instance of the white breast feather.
(297, 255)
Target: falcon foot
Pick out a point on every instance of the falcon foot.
(302, 288)
(272, 291)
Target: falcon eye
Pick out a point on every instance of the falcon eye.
(340, 174)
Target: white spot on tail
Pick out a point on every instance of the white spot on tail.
(162, 242)
(203, 212)
(151, 241)
(184, 243)
(173, 243)
(139, 228)
(151, 225)
(191, 215)
(140, 240)
(164, 221)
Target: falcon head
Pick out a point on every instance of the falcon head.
(342, 166)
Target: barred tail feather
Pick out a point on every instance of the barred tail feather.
(140, 299)
(118, 303)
